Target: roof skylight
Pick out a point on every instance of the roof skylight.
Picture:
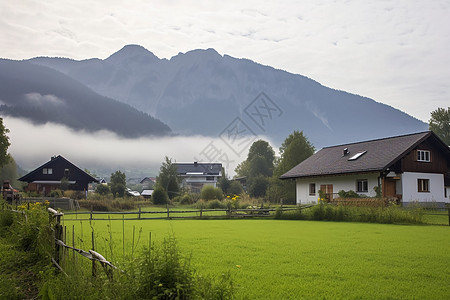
(357, 155)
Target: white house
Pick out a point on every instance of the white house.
(195, 175)
(412, 167)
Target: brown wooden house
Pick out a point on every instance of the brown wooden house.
(55, 172)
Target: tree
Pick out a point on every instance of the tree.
(235, 188)
(118, 184)
(258, 186)
(159, 196)
(259, 164)
(440, 124)
(9, 172)
(4, 144)
(243, 169)
(262, 149)
(295, 149)
(65, 184)
(224, 182)
(168, 178)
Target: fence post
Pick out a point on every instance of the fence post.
(168, 216)
(139, 211)
(94, 266)
(448, 215)
(201, 211)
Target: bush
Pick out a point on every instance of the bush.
(184, 199)
(216, 204)
(349, 194)
(235, 188)
(289, 215)
(159, 196)
(104, 204)
(210, 192)
(56, 193)
(102, 189)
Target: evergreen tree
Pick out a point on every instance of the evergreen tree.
(440, 124)
(118, 184)
(4, 144)
(168, 178)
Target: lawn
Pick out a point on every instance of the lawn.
(275, 259)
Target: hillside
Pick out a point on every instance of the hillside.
(42, 95)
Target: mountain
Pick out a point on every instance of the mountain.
(203, 92)
(42, 95)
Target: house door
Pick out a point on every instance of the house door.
(389, 189)
(328, 190)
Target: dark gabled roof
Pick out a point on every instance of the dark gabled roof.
(213, 169)
(380, 154)
(55, 161)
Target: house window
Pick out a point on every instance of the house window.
(210, 178)
(423, 155)
(47, 171)
(66, 172)
(362, 186)
(423, 185)
(312, 189)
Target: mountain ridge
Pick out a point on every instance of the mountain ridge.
(202, 91)
(42, 94)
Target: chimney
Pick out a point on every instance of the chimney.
(195, 163)
(346, 152)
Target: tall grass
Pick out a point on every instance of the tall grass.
(326, 212)
(159, 272)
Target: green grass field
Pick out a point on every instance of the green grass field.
(274, 259)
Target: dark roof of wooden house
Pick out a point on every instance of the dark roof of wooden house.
(59, 165)
(196, 168)
(369, 156)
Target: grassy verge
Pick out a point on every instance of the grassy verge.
(279, 259)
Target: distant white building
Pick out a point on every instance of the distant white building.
(196, 175)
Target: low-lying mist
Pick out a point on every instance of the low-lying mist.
(104, 152)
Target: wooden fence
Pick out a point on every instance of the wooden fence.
(177, 214)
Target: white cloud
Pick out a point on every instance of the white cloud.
(33, 145)
(393, 51)
(36, 99)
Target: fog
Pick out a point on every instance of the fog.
(104, 152)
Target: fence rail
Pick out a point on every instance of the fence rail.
(176, 214)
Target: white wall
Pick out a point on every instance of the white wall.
(409, 188)
(344, 182)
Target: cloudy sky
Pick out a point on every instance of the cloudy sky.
(396, 52)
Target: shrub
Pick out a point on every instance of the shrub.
(184, 199)
(102, 189)
(289, 215)
(159, 196)
(56, 193)
(216, 204)
(235, 188)
(349, 194)
(210, 192)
